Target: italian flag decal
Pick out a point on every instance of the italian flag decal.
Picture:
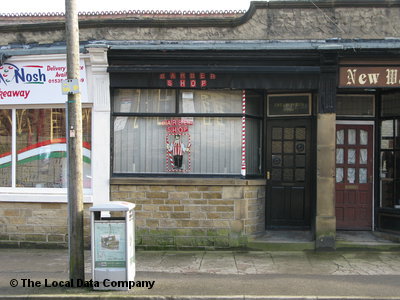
(54, 148)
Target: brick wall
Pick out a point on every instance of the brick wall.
(37, 225)
(203, 213)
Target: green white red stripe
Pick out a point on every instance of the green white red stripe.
(43, 150)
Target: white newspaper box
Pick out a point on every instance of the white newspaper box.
(113, 245)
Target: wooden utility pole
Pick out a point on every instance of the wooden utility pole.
(75, 164)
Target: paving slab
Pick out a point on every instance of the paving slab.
(230, 274)
(219, 263)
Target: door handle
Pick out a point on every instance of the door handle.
(268, 175)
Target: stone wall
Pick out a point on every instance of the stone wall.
(203, 213)
(37, 225)
(198, 215)
(277, 20)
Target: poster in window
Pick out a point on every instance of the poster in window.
(178, 152)
(178, 144)
(110, 245)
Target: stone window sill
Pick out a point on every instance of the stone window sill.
(186, 181)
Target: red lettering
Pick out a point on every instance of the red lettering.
(213, 76)
(203, 83)
(162, 76)
(182, 75)
(170, 82)
(202, 75)
(192, 76)
(172, 75)
(193, 83)
(182, 83)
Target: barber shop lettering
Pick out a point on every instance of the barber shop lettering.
(177, 126)
(187, 80)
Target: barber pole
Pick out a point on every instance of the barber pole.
(170, 159)
(243, 171)
(189, 146)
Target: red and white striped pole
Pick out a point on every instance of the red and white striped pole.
(243, 171)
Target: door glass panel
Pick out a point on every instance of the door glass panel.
(300, 133)
(288, 133)
(351, 156)
(300, 174)
(397, 165)
(287, 174)
(397, 133)
(387, 134)
(300, 160)
(339, 175)
(276, 160)
(300, 147)
(351, 175)
(363, 156)
(288, 147)
(363, 137)
(387, 194)
(387, 167)
(276, 147)
(276, 133)
(339, 155)
(276, 174)
(340, 137)
(351, 136)
(288, 161)
(362, 175)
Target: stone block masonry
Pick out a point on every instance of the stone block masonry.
(179, 214)
(170, 214)
(37, 225)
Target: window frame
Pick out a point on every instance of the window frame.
(178, 114)
(37, 194)
(395, 150)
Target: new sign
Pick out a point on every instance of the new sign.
(369, 77)
(36, 82)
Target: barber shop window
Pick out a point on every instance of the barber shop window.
(183, 132)
(40, 157)
(390, 151)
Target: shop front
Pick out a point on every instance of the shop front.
(366, 145)
(33, 149)
(212, 156)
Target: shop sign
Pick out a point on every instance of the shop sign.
(369, 77)
(36, 82)
(178, 144)
(187, 80)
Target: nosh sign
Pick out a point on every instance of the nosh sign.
(36, 82)
(369, 77)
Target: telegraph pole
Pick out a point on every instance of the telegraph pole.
(74, 135)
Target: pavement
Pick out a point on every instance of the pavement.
(347, 274)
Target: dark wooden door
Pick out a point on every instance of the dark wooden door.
(354, 176)
(288, 174)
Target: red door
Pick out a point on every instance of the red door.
(354, 177)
